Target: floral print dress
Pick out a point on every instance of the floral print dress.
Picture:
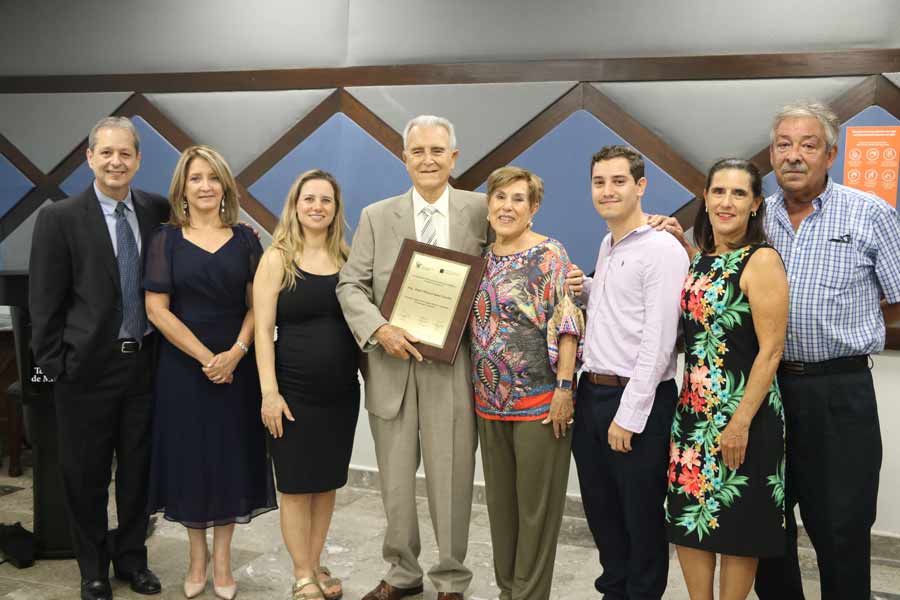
(709, 506)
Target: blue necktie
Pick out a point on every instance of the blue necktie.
(133, 316)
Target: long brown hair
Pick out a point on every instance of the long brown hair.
(288, 238)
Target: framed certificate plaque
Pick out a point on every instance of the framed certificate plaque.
(430, 295)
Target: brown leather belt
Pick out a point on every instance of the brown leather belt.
(610, 380)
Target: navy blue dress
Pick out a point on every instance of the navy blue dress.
(209, 464)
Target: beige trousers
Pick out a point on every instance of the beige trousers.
(436, 424)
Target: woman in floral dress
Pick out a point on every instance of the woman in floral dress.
(726, 464)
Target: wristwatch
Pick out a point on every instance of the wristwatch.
(564, 384)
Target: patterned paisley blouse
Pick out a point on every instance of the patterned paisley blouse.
(521, 308)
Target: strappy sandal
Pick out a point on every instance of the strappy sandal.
(298, 594)
(330, 582)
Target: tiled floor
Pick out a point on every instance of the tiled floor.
(262, 566)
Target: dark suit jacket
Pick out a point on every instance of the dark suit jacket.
(75, 297)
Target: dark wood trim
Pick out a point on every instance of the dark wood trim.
(522, 139)
(887, 95)
(586, 96)
(287, 142)
(727, 66)
(372, 123)
(27, 205)
(21, 162)
(644, 140)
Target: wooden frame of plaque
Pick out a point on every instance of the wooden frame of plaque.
(446, 352)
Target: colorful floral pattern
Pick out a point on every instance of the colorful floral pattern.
(720, 348)
(521, 308)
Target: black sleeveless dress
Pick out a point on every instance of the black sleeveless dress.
(316, 364)
(709, 506)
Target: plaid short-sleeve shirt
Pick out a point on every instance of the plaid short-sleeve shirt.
(840, 262)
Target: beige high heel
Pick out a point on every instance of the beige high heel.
(225, 592)
(191, 589)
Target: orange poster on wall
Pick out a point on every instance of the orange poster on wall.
(872, 160)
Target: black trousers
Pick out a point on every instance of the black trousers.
(833, 462)
(623, 493)
(111, 414)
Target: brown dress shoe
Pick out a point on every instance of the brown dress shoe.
(385, 591)
(450, 596)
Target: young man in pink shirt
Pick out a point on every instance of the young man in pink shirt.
(627, 394)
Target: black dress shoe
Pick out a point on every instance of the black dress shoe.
(95, 589)
(142, 581)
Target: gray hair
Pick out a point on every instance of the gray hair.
(114, 123)
(817, 110)
(430, 121)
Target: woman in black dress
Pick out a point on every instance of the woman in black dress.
(310, 387)
(209, 466)
(726, 463)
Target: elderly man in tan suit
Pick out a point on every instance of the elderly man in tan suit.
(417, 408)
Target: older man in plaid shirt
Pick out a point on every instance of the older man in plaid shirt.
(841, 249)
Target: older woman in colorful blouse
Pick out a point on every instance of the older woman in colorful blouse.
(525, 335)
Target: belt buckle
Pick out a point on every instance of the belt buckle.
(129, 347)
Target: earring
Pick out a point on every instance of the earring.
(752, 213)
(222, 207)
(530, 224)
(184, 205)
(705, 208)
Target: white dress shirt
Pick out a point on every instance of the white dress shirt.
(440, 219)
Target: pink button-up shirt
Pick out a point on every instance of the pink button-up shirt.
(632, 316)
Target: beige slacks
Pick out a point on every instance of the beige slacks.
(436, 424)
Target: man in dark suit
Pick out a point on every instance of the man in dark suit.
(90, 334)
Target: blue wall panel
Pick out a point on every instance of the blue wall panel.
(158, 159)
(365, 169)
(874, 116)
(562, 159)
(13, 185)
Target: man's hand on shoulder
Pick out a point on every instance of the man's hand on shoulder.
(397, 342)
(672, 226)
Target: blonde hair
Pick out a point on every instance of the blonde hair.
(179, 213)
(504, 176)
(288, 238)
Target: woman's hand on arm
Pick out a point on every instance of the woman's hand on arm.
(765, 283)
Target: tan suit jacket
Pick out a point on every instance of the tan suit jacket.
(364, 278)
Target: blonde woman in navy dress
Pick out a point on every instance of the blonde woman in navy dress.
(310, 389)
(209, 467)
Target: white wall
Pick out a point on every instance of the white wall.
(887, 388)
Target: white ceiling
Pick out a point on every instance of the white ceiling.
(241, 125)
(707, 120)
(98, 36)
(47, 127)
(483, 115)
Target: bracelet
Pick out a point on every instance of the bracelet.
(242, 346)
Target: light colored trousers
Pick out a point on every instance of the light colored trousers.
(436, 424)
